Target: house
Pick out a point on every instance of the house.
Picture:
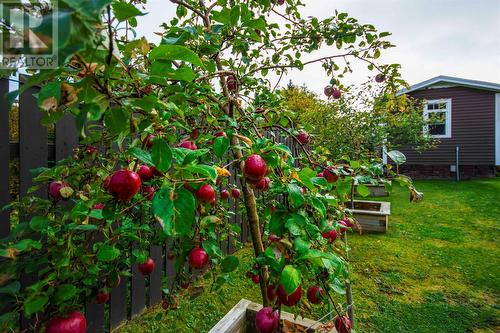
(465, 118)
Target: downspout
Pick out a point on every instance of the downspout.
(457, 170)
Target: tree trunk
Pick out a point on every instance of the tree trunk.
(252, 221)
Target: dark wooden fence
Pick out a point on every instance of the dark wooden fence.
(32, 150)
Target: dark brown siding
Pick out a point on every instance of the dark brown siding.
(472, 128)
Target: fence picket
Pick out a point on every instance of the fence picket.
(155, 293)
(5, 160)
(66, 136)
(137, 292)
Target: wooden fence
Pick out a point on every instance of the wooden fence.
(34, 150)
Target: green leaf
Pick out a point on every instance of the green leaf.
(185, 207)
(290, 279)
(175, 52)
(283, 148)
(235, 15)
(276, 224)
(305, 176)
(161, 155)
(107, 253)
(124, 11)
(221, 145)
(86, 227)
(355, 164)
(397, 156)
(301, 246)
(163, 208)
(344, 186)
(117, 120)
(27, 244)
(295, 195)
(204, 170)
(193, 154)
(363, 190)
(229, 264)
(224, 16)
(141, 155)
(65, 292)
(9, 318)
(34, 304)
(259, 23)
(11, 288)
(213, 249)
(39, 223)
(318, 205)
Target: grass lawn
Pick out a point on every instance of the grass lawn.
(436, 270)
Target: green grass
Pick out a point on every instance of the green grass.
(436, 270)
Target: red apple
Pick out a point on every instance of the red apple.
(198, 258)
(156, 172)
(74, 322)
(273, 238)
(256, 279)
(148, 192)
(249, 274)
(188, 145)
(224, 194)
(320, 174)
(379, 78)
(220, 134)
(194, 133)
(304, 138)
(291, 299)
(328, 91)
(336, 93)
(255, 168)
(315, 294)
(235, 193)
(148, 141)
(273, 209)
(54, 190)
(102, 297)
(271, 293)
(231, 83)
(147, 267)
(124, 184)
(343, 324)
(345, 223)
(145, 172)
(205, 193)
(330, 235)
(330, 175)
(267, 320)
(98, 206)
(263, 184)
(91, 150)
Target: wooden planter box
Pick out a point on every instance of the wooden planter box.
(376, 190)
(241, 319)
(372, 216)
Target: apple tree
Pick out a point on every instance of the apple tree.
(162, 129)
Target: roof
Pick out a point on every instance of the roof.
(453, 81)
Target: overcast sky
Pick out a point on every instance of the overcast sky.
(433, 37)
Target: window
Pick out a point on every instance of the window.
(437, 113)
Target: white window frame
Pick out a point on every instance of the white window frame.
(447, 112)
